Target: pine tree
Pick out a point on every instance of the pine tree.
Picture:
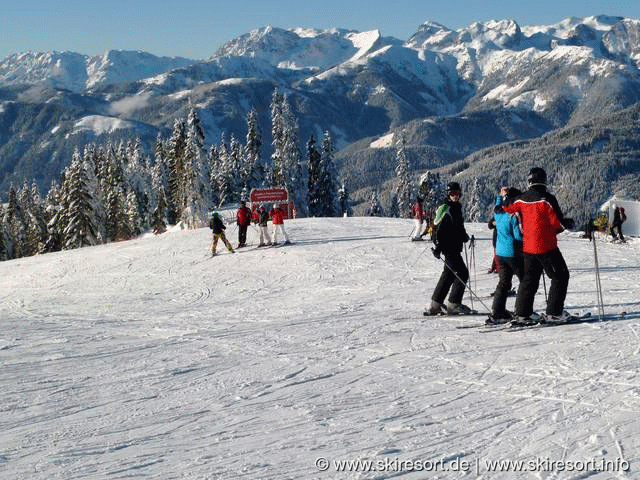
(277, 139)
(431, 191)
(295, 172)
(4, 253)
(158, 216)
(132, 216)
(254, 176)
(314, 189)
(55, 217)
(343, 198)
(375, 209)
(16, 226)
(81, 229)
(196, 175)
(328, 185)
(402, 192)
(480, 201)
(176, 200)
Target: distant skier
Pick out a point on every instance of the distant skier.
(619, 217)
(448, 236)
(243, 219)
(218, 233)
(262, 221)
(277, 216)
(542, 220)
(508, 253)
(417, 213)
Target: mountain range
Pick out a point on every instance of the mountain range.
(450, 94)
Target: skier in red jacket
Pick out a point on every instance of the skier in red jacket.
(542, 220)
(417, 213)
(277, 216)
(243, 219)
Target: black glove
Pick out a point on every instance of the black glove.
(568, 223)
(436, 252)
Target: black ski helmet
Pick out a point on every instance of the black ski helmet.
(537, 176)
(453, 187)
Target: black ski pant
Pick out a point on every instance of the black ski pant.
(553, 264)
(616, 231)
(242, 235)
(449, 280)
(508, 267)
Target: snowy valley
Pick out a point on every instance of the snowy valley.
(150, 359)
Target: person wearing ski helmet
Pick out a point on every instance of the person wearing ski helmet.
(218, 228)
(542, 221)
(449, 236)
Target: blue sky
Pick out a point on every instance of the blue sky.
(196, 28)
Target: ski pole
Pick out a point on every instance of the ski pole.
(473, 259)
(460, 280)
(468, 283)
(544, 284)
(598, 283)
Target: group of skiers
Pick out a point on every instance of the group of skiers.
(526, 225)
(244, 217)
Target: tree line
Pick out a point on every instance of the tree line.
(112, 192)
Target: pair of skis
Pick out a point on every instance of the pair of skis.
(543, 323)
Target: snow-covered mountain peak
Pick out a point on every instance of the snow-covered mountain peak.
(76, 72)
(58, 69)
(300, 47)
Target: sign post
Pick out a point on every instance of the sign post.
(279, 195)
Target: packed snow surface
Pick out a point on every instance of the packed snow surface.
(150, 359)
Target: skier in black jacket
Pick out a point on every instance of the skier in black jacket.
(449, 236)
(218, 233)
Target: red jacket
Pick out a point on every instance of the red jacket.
(243, 216)
(417, 212)
(540, 222)
(277, 216)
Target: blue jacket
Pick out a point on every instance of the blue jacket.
(509, 240)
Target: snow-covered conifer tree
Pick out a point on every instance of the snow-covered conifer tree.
(375, 209)
(313, 160)
(175, 160)
(403, 190)
(328, 184)
(480, 201)
(196, 175)
(431, 191)
(253, 152)
(343, 199)
(16, 226)
(81, 229)
(277, 139)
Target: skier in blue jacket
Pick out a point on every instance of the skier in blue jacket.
(508, 254)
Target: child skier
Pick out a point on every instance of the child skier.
(448, 236)
(508, 254)
(218, 233)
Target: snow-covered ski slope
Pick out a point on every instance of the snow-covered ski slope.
(149, 359)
